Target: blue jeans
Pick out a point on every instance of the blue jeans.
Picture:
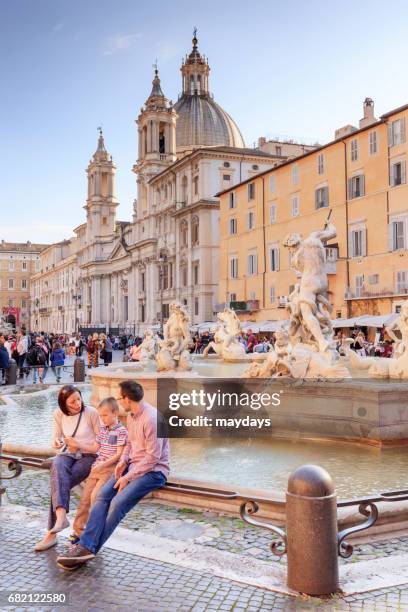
(111, 507)
(66, 473)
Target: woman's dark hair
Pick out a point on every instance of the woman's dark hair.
(56, 346)
(65, 392)
(132, 390)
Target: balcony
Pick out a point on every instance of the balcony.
(367, 294)
(248, 306)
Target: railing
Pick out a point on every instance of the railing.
(375, 293)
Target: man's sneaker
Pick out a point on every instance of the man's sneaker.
(73, 538)
(76, 554)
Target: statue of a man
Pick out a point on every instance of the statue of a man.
(308, 304)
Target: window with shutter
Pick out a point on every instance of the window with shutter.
(232, 199)
(397, 237)
(272, 183)
(233, 226)
(234, 267)
(402, 281)
(272, 213)
(320, 163)
(250, 220)
(295, 206)
(251, 191)
(359, 285)
(354, 149)
(398, 173)
(274, 259)
(272, 295)
(372, 139)
(252, 264)
(322, 197)
(356, 186)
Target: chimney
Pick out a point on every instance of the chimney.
(368, 118)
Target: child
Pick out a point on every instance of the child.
(110, 443)
(57, 360)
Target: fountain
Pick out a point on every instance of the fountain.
(321, 396)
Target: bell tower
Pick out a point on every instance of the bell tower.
(101, 203)
(156, 125)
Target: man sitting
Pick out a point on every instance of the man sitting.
(144, 467)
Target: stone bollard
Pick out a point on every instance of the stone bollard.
(311, 517)
(79, 370)
(11, 373)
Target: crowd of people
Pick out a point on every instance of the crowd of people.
(36, 353)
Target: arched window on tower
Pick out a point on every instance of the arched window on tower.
(192, 84)
(199, 84)
(144, 132)
(162, 139)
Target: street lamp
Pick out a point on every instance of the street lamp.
(76, 297)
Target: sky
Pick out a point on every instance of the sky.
(295, 69)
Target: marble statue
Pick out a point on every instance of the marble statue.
(226, 343)
(173, 351)
(147, 349)
(307, 349)
(379, 367)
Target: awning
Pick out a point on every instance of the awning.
(367, 321)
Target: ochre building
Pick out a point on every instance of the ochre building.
(18, 263)
(360, 179)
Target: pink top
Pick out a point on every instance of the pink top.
(144, 451)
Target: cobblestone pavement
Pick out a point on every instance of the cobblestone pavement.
(207, 528)
(118, 582)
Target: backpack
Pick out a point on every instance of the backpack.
(36, 356)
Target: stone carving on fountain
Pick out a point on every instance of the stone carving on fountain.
(173, 349)
(226, 343)
(306, 349)
(148, 348)
(380, 367)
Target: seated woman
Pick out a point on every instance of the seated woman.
(75, 427)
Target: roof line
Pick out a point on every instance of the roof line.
(383, 119)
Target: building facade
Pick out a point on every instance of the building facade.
(361, 179)
(127, 273)
(18, 263)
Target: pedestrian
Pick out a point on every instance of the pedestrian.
(251, 341)
(22, 348)
(144, 467)
(106, 349)
(93, 351)
(109, 444)
(57, 360)
(75, 427)
(4, 359)
(37, 359)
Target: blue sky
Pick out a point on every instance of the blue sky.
(294, 69)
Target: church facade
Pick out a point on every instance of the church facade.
(122, 275)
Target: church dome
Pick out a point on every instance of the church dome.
(201, 121)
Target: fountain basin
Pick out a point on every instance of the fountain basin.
(355, 410)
